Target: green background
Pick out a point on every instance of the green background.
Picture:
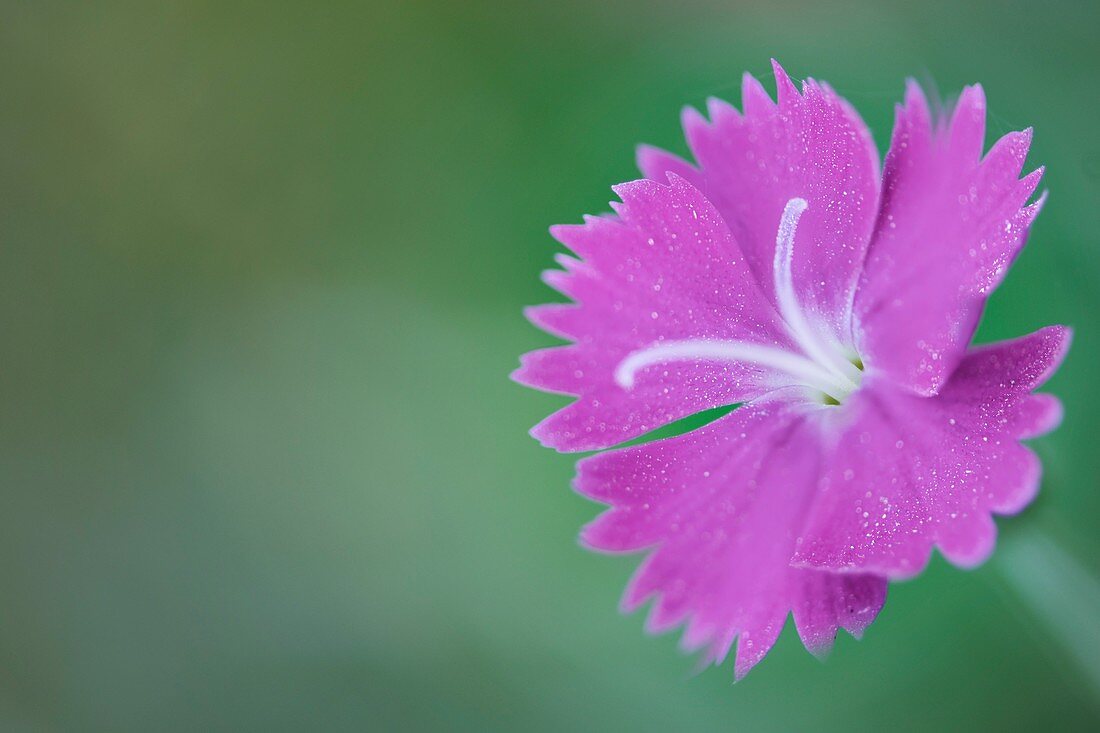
(261, 271)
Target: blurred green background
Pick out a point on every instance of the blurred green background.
(261, 270)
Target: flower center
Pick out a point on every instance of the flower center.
(821, 363)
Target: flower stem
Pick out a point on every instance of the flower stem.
(1061, 594)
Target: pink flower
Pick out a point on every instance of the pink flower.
(783, 272)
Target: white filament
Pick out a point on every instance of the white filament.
(799, 368)
(821, 365)
(797, 325)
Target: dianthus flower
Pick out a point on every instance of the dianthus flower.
(783, 273)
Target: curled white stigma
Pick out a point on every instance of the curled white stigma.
(821, 365)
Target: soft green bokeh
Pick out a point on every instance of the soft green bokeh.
(261, 268)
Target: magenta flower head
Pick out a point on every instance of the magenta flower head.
(835, 304)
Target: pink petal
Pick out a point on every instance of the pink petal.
(721, 507)
(811, 145)
(950, 225)
(655, 164)
(665, 268)
(909, 473)
(831, 601)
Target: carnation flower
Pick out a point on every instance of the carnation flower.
(835, 305)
